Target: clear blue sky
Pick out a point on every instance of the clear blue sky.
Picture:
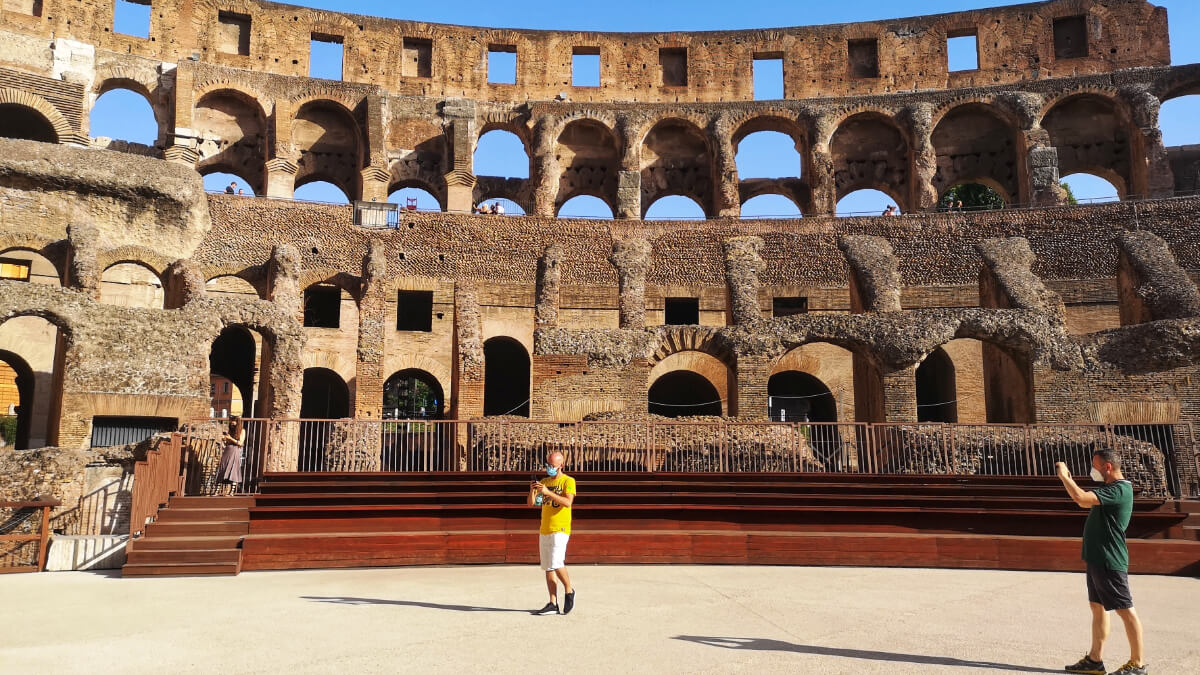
(123, 115)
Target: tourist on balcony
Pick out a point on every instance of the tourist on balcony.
(231, 188)
(229, 469)
(555, 494)
(1110, 507)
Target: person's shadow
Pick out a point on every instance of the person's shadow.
(760, 644)
(408, 603)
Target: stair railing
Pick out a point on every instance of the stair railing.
(155, 479)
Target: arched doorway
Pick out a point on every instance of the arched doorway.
(937, 392)
(795, 396)
(31, 360)
(234, 361)
(413, 394)
(323, 396)
(16, 399)
(683, 393)
(505, 378)
(20, 121)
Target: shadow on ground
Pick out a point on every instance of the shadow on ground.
(759, 644)
(408, 603)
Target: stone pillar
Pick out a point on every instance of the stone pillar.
(1150, 283)
(283, 281)
(727, 201)
(549, 280)
(375, 183)
(460, 180)
(818, 168)
(281, 178)
(924, 195)
(468, 351)
(545, 175)
(753, 373)
(282, 360)
(631, 257)
(83, 271)
(183, 284)
(743, 264)
(1152, 175)
(874, 274)
(372, 325)
(900, 395)
(181, 143)
(1045, 186)
(629, 180)
(282, 166)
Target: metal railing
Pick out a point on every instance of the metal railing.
(15, 549)
(1161, 459)
(155, 479)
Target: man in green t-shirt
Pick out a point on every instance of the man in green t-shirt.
(1109, 509)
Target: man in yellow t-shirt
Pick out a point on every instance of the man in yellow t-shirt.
(555, 494)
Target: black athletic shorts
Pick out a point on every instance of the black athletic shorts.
(1108, 587)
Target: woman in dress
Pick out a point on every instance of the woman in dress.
(229, 469)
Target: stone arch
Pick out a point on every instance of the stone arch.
(140, 255)
(794, 191)
(418, 149)
(42, 269)
(436, 369)
(230, 286)
(776, 123)
(141, 81)
(1006, 372)
(397, 405)
(34, 348)
(589, 157)
(329, 360)
(708, 368)
(132, 283)
(828, 363)
(506, 379)
(34, 108)
(871, 150)
(1093, 133)
(677, 160)
(481, 155)
(437, 191)
(975, 143)
(232, 128)
(937, 388)
(985, 182)
(513, 189)
(329, 144)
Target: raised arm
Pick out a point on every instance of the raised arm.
(1083, 498)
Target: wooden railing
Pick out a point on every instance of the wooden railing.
(155, 479)
(42, 537)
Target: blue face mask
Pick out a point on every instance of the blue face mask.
(551, 471)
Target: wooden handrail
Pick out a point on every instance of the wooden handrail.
(42, 537)
(155, 479)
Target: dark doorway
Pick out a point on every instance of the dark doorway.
(18, 121)
(233, 357)
(937, 392)
(324, 395)
(505, 378)
(683, 393)
(795, 396)
(16, 427)
(412, 394)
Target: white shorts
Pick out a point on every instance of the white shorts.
(553, 550)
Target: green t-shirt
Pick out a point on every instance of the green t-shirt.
(1104, 531)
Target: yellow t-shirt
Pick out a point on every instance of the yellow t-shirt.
(557, 518)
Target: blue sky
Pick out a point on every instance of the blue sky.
(121, 114)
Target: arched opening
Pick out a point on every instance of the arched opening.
(971, 197)
(1008, 385)
(1086, 188)
(683, 393)
(505, 378)
(768, 154)
(870, 151)
(676, 160)
(231, 129)
(1177, 120)
(415, 199)
(585, 206)
(227, 183)
(937, 392)
(321, 191)
(1093, 136)
(795, 396)
(589, 157)
(234, 363)
(413, 394)
(25, 265)
(21, 121)
(770, 206)
(501, 153)
(507, 207)
(675, 207)
(230, 286)
(31, 354)
(131, 284)
(331, 150)
(866, 203)
(323, 396)
(974, 144)
(124, 115)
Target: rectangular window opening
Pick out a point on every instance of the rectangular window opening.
(322, 307)
(962, 52)
(673, 61)
(1070, 37)
(109, 431)
(502, 64)
(16, 270)
(585, 67)
(681, 311)
(864, 58)
(233, 33)
(781, 307)
(132, 17)
(28, 7)
(418, 58)
(414, 311)
(325, 56)
(768, 77)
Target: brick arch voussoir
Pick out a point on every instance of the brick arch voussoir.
(996, 105)
(1110, 94)
(844, 115)
(152, 260)
(243, 92)
(675, 339)
(62, 128)
(699, 121)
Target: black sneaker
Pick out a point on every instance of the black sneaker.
(569, 602)
(550, 608)
(1087, 665)
(1130, 669)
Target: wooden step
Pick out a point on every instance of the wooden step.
(186, 543)
(195, 528)
(180, 569)
(179, 556)
(174, 514)
(211, 502)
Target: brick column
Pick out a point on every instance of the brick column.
(545, 175)
(281, 178)
(629, 180)
(631, 257)
(743, 264)
(372, 324)
(460, 180)
(924, 194)
(753, 372)
(727, 201)
(282, 361)
(549, 281)
(468, 353)
(83, 272)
